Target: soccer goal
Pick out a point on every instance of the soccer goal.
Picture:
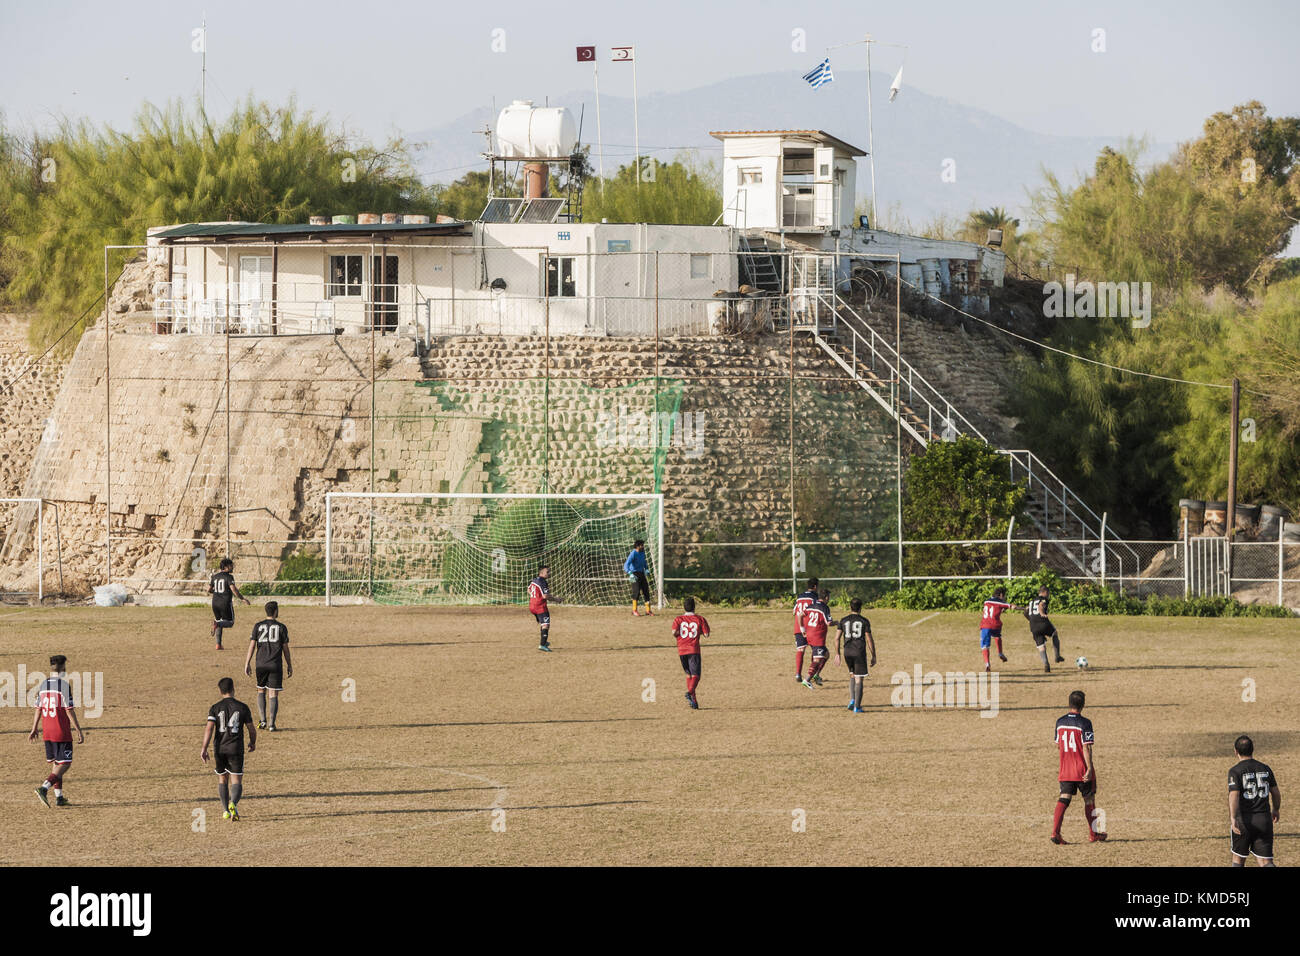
(465, 548)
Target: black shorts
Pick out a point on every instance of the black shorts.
(691, 664)
(544, 618)
(58, 751)
(857, 662)
(1256, 836)
(270, 677)
(799, 640)
(1085, 788)
(820, 650)
(640, 586)
(224, 616)
(230, 763)
(1042, 633)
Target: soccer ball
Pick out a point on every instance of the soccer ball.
(1081, 663)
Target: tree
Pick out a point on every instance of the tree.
(679, 192)
(262, 164)
(958, 491)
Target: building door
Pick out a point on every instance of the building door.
(253, 310)
(383, 293)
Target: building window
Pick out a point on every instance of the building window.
(751, 176)
(344, 277)
(559, 277)
(701, 265)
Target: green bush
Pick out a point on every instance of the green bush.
(1066, 599)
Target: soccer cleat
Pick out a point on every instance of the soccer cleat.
(648, 612)
(271, 729)
(850, 705)
(261, 725)
(859, 710)
(806, 684)
(635, 612)
(225, 814)
(690, 699)
(987, 668)
(1058, 839)
(816, 679)
(1047, 668)
(1002, 658)
(798, 678)
(41, 796)
(220, 648)
(543, 647)
(234, 814)
(62, 802)
(1060, 659)
(1094, 837)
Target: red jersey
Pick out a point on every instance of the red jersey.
(54, 699)
(801, 604)
(816, 621)
(1073, 733)
(688, 629)
(992, 619)
(537, 592)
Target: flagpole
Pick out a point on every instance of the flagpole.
(600, 145)
(871, 144)
(636, 124)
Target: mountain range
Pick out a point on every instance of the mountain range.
(989, 160)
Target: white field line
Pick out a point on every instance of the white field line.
(924, 619)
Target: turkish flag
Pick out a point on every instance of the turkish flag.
(586, 53)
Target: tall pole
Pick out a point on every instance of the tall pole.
(898, 397)
(600, 143)
(1232, 473)
(108, 438)
(871, 144)
(203, 86)
(636, 124)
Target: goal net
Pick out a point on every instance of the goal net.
(455, 548)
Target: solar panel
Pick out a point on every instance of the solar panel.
(542, 210)
(501, 210)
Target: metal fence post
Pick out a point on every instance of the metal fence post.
(1187, 561)
(1010, 526)
(1281, 560)
(1103, 548)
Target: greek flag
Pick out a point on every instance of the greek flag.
(820, 75)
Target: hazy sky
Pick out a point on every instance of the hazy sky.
(404, 66)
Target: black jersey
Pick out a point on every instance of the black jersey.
(222, 587)
(1037, 614)
(229, 716)
(855, 629)
(272, 638)
(1253, 780)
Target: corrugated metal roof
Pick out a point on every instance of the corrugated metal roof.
(261, 230)
(817, 134)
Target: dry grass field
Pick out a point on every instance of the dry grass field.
(458, 715)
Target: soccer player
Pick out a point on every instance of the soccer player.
(801, 603)
(991, 624)
(270, 641)
(227, 719)
(1251, 785)
(222, 588)
(539, 596)
(816, 623)
(635, 566)
(688, 628)
(56, 715)
(1040, 625)
(855, 630)
(1078, 773)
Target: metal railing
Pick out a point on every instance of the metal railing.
(927, 415)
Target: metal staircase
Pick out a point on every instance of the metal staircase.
(926, 416)
(758, 266)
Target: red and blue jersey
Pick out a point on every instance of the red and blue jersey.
(992, 618)
(816, 622)
(54, 699)
(538, 590)
(801, 604)
(1073, 733)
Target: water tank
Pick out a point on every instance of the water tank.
(525, 131)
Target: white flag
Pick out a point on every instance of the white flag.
(622, 54)
(896, 85)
